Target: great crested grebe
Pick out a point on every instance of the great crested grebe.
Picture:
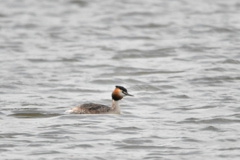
(91, 108)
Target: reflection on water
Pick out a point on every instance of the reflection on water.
(179, 58)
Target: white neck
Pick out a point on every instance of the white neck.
(115, 108)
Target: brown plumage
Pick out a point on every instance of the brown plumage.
(90, 108)
(115, 95)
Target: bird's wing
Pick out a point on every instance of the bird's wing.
(92, 108)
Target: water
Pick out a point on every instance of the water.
(180, 59)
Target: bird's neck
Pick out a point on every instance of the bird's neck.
(115, 107)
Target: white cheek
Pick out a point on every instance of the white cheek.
(121, 94)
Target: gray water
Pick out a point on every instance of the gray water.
(181, 60)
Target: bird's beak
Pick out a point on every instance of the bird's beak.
(127, 94)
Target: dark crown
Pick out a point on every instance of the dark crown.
(122, 88)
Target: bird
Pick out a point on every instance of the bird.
(91, 108)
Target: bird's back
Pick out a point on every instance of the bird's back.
(90, 108)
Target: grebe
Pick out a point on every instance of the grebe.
(91, 108)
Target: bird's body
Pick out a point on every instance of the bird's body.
(92, 108)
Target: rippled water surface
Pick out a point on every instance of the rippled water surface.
(181, 60)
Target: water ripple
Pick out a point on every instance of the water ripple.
(178, 58)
